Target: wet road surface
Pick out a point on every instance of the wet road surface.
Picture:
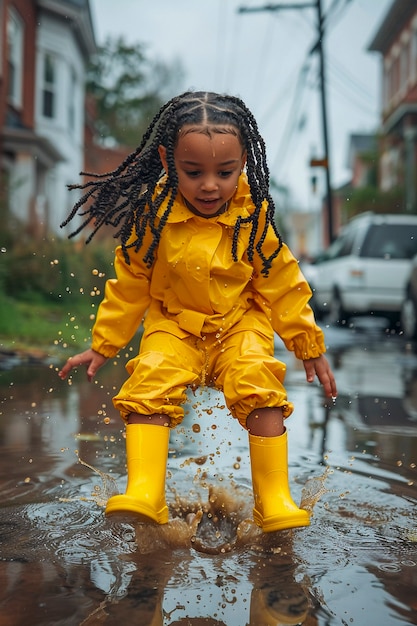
(353, 464)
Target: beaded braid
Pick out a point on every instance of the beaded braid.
(258, 177)
(125, 198)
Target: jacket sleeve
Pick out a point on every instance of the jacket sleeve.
(126, 299)
(284, 294)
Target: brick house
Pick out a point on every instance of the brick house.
(396, 41)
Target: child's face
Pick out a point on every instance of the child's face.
(208, 167)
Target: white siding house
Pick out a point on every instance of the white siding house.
(63, 45)
(42, 135)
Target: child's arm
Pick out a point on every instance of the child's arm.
(126, 299)
(91, 359)
(320, 367)
(284, 296)
(118, 317)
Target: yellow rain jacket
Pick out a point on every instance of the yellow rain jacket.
(195, 288)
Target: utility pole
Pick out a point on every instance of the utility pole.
(319, 48)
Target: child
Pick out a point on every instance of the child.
(202, 263)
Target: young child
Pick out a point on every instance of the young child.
(202, 265)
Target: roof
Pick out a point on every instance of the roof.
(392, 24)
(78, 13)
(25, 140)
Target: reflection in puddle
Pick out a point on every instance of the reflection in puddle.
(63, 454)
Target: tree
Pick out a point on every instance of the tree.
(128, 89)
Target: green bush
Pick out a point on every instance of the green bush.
(50, 291)
(54, 270)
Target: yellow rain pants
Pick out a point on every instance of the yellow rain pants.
(241, 364)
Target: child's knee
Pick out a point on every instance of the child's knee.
(172, 412)
(243, 407)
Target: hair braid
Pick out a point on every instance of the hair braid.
(126, 198)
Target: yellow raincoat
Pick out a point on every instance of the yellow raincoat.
(207, 319)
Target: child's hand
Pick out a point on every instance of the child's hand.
(92, 359)
(320, 367)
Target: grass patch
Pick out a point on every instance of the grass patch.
(49, 292)
(48, 325)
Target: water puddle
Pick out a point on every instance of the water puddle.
(63, 562)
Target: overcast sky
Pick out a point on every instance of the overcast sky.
(260, 56)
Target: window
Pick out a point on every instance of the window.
(72, 94)
(404, 66)
(414, 54)
(14, 58)
(49, 87)
(391, 241)
(386, 87)
(342, 246)
(395, 77)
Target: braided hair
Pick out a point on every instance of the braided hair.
(125, 198)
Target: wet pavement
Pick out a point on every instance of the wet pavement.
(353, 464)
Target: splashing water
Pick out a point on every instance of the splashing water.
(216, 525)
(102, 493)
(313, 490)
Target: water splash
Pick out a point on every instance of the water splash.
(102, 493)
(216, 522)
(314, 489)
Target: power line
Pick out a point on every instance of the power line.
(319, 49)
(295, 116)
(339, 86)
(331, 15)
(280, 98)
(267, 42)
(228, 65)
(360, 88)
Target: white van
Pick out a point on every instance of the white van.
(364, 271)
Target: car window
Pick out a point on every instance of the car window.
(347, 244)
(342, 246)
(390, 241)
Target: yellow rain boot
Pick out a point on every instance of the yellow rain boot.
(147, 454)
(274, 508)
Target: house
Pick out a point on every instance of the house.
(361, 159)
(396, 41)
(45, 46)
